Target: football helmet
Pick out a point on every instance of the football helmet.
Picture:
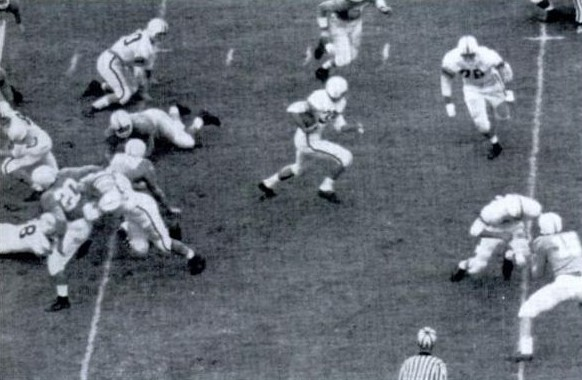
(468, 46)
(336, 87)
(514, 205)
(44, 176)
(550, 223)
(4, 4)
(156, 28)
(135, 148)
(426, 338)
(120, 122)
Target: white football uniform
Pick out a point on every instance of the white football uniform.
(563, 253)
(502, 216)
(29, 152)
(344, 18)
(310, 142)
(483, 83)
(27, 237)
(116, 65)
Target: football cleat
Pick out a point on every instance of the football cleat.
(319, 50)
(329, 196)
(494, 151)
(16, 96)
(60, 303)
(183, 110)
(175, 231)
(550, 16)
(519, 357)
(507, 269)
(93, 89)
(267, 191)
(209, 119)
(196, 265)
(458, 275)
(322, 74)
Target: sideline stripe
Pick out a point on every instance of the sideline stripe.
(111, 243)
(533, 161)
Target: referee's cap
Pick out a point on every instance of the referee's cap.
(426, 338)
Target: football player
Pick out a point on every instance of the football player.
(501, 224)
(12, 6)
(340, 22)
(154, 123)
(31, 147)
(32, 236)
(485, 75)
(551, 14)
(116, 65)
(75, 210)
(143, 223)
(562, 251)
(322, 107)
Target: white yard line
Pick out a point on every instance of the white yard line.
(111, 243)
(162, 11)
(533, 156)
(73, 65)
(229, 57)
(308, 56)
(2, 37)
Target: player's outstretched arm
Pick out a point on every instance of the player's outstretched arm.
(383, 7)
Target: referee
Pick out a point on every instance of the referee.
(424, 366)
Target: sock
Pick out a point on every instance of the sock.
(494, 140)
(63, 291)
(197, 123)
(104, 102)
(327, 64)
(272, 180)
(464, 265)
(327, 185)
(190, 254)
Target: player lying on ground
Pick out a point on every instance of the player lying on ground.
(501, 225)
(117, 66)
(153, 124)
(322, 107)
(484, 75)
(30, 145)
(30, 237)
(552, 14)
(562, 252)
(340, 22)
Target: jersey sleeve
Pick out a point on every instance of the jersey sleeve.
(449, 64)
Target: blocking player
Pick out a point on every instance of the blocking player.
(562, 252)
(31, 147)
(75, 210)
(12, 6)
(142, 220)
(551, 14)
(322, 107)
(116, 65)
(153, 124)
(30, 237)
(485, 75)
(501, 225)
(340, 22)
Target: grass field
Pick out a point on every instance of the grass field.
(297, 288)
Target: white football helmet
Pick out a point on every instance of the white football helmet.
(514, 205)
(120, 122)
(336, 87)
(468, 46)
(426, 338)
(550, 223)
(44, 176)
(135, 148)
(4, 4)
(156, 28)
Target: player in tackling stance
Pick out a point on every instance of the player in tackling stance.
(563, 252)
(500, 225)
(340, 22)
(154, 123)
(323, 107)
(118, 65)
(484, 75)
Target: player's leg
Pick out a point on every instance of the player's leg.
(11, 240)
(338, 49)
(477, 107)
(578, 6)
(355, 37)
(476, 264)
(137, 239)
(113, 72)
(340, 156)
(551, 14)
(172, 128)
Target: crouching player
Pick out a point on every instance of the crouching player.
(563, 252)
(143, 223)
(501, 224)
(72, 204)
(29, 237)
(154, 123)
(31, 147)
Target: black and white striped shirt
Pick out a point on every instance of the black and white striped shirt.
(423, 366)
